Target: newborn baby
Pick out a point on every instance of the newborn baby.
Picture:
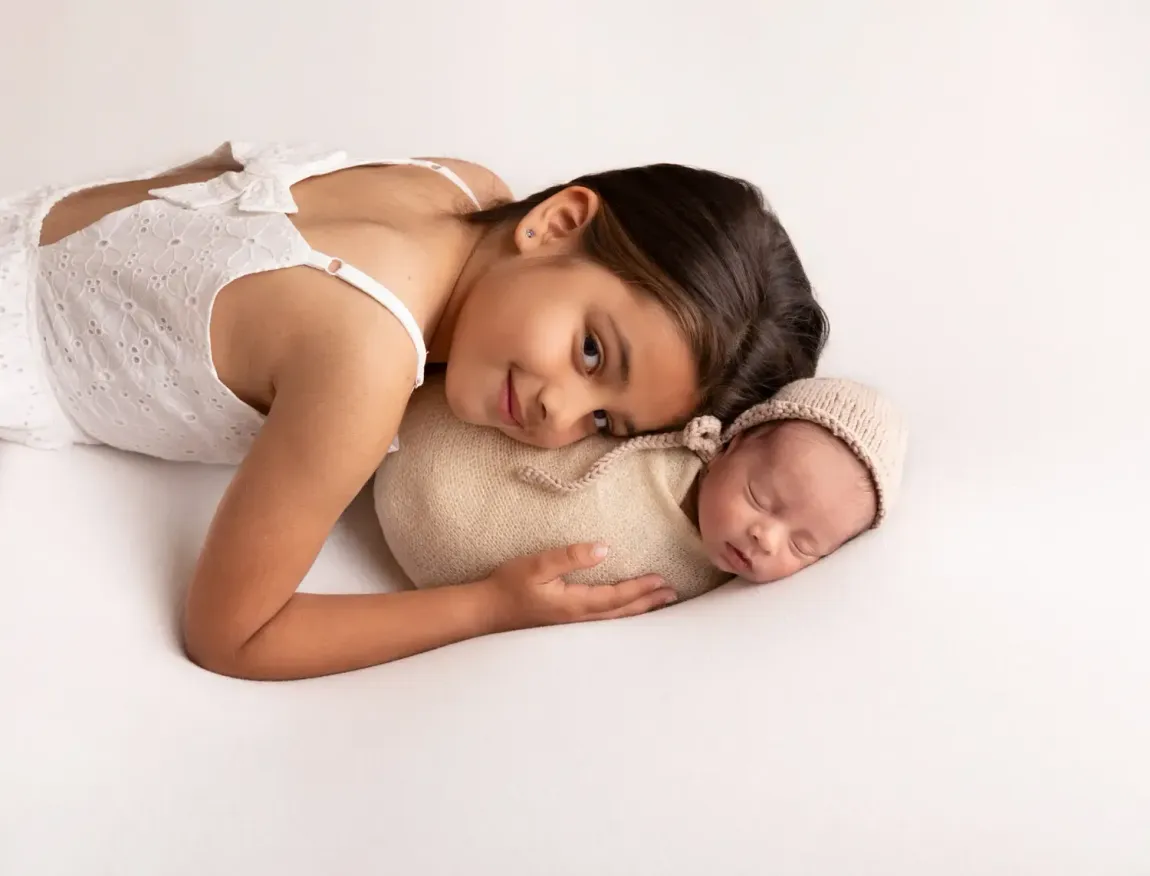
(791, 481)
(781, 496)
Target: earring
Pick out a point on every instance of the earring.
(530, 232)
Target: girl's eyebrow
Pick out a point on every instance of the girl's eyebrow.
(624, 351)
(624, 366)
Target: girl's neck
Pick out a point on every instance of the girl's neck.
(486, 246)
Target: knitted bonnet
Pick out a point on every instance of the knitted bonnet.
(863, 419)
(459, 500)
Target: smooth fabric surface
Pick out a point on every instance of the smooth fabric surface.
(962, 694)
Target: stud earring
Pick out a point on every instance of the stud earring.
(530, 233)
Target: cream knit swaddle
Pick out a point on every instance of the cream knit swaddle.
(453, 504)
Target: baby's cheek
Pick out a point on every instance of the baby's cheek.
(715, 519)
(803, 562)
(785, 566)
(719, 497)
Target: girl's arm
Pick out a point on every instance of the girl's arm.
(338, 402)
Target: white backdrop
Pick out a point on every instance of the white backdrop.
(965, 692)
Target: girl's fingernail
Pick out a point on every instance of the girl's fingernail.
(599, 551)
(670, 597)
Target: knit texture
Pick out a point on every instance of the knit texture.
(454, 503)
(859, 416)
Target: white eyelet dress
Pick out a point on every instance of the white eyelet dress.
(104, 335)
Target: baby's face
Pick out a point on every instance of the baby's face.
(781, 497)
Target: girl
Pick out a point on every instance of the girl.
(186, 316)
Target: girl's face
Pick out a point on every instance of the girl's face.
(551, 348)
(781, 497)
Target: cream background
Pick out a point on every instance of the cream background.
(963, 693)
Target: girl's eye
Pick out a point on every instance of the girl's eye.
(602, 421)
(592, 354)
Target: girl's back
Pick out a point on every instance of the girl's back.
(166, 303)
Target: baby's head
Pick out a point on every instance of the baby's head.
(799, 477)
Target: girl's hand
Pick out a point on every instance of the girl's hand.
(530, 591)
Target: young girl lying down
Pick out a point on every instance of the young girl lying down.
(790, 481)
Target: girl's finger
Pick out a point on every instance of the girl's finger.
(556, 563)
(607, 598)
(655, 599)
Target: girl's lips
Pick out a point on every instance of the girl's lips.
(509, 404)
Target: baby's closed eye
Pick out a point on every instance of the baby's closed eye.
(805, 547)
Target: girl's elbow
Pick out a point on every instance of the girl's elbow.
(211, 650)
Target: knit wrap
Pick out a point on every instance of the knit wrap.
(458, 500)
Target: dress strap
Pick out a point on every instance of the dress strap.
(445, 172)
(339, 268)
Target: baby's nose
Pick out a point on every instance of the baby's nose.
(766, 536)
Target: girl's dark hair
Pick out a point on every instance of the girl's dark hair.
(714, 254)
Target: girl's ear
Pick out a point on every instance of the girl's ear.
(558, 223)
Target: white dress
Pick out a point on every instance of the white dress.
(104, 335)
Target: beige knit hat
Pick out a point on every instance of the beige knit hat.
(867, 422)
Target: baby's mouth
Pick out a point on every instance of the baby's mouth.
(739, 560)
